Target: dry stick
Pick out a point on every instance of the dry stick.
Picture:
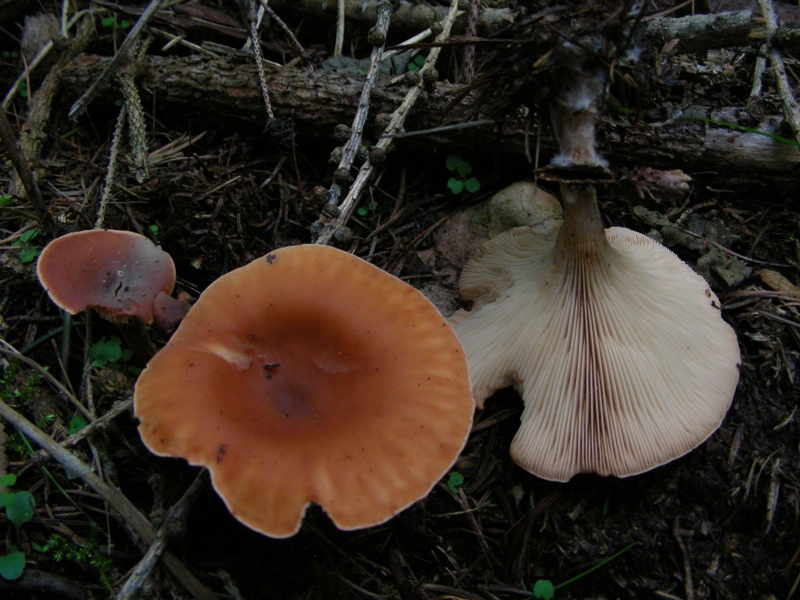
(791, 112)
(33, 135)
(698, 33)
(345, 209)
(75, 45)
(408, 17)
(356, 131)
(412, 40)
(298, 47)
(82, 103)
(40, 56)
(22, 167)
(688, 585)
(137, 130)
(9, 350)
(262, 75)
(754, 101)
(100, 423)
(174, 522)
(472, 31)
(130, 516)
(112, 167)
(337, 48)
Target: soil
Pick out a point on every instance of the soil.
(721, 522)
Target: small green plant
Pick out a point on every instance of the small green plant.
(60, 548)
(415, 64)
(45, 421)
(154, 230)
(16, 387)
(19, 508)
(27, 251)
(5, 199)
(613, 105)
(544, 589)
(371, 206)
(10, 54)
(462, 168)
(22, 88)
(104, 352)
(454, 481)
(76, 423)
(112, 23)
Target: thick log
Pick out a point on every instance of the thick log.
(220, 91)
(408, 19)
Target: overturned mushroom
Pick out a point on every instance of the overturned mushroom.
(616, 346)
(310, 375)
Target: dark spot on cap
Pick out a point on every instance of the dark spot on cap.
(223, 448)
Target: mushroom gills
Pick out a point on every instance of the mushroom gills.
(616, 346)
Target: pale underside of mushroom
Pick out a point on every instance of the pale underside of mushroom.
(618, 350)
(322, 379)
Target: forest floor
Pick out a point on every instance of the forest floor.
(720, 522)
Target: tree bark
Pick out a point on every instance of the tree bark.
(407, 20)
(219, 92)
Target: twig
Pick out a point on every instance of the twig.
(99, 423)
(174, 520)
(37, 583)
(754, 100)
(687, 562)
(129, 515)
(424, 35)
(472, 31)
(262, 74)
(356, 131)
(22, 167)
(137, 130)
(82, 103)
(337, 48)
(396, 122)
(791, 111)
(11, 351)
(75, 46)
(298, 47)
(112, 166)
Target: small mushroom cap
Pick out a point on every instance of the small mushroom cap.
(119, 273)
(623, 365)
(169, 311)
(310, 375)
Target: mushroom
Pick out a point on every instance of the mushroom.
(310, 375)
(118, 273)
(616, 346)
(169, 311)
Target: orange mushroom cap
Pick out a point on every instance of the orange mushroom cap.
(119, 273)
(310, 375)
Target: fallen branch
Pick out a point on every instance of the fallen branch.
(396, 123)
(407, 19)
(129, 515)
(229, 93)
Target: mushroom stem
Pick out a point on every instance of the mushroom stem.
(138, 340)
(579, 83)
(582, 232)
